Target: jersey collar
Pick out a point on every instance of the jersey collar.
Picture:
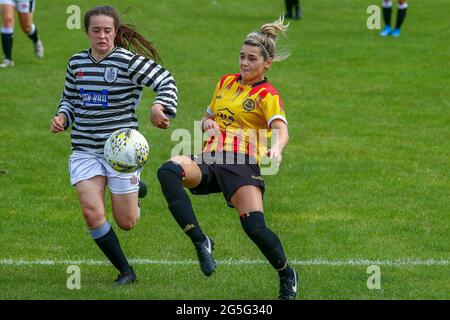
(255, 84)
(95, 61)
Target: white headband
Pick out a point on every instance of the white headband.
(259, 44)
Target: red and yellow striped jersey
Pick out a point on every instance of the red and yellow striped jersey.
(244, 114)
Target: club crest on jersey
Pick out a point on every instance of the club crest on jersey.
(111, 74)
(248, 104)
(134, 180)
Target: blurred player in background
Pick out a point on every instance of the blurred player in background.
(25, 11)
(102, 91)
(293, 5)
(387, 13)
(243, 105)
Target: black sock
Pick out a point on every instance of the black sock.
(401, 14)
(287, 271)
(7, 43)
(34, 36)
(169, 176)
(298, 13)
(110, 246)
(387, 13)
(289, 6)
(268, 242)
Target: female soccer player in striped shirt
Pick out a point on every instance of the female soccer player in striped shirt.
(243, 105)
(102, 91)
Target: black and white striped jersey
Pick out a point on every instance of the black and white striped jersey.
(101, 96)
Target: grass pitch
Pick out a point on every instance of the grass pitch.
(365, 175)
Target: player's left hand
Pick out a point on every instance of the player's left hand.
(158, 118)
(275, 153)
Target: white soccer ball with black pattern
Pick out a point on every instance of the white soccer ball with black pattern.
(126, 150)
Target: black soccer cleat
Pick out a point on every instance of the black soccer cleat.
(204, 253)
(127, 277)
(142, 189)
(288, 286)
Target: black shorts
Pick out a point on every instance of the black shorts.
(225, 176)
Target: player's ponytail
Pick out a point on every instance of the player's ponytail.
(267, 39)
(126, 35)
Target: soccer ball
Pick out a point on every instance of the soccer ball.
(126, 150)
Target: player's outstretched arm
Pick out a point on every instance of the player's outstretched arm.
(280, 140)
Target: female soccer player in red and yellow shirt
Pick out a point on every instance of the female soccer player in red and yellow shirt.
(243, 106)
(241, 113)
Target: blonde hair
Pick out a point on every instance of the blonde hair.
(267, 39)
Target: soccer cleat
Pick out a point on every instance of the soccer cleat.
(7, 63)
(204, 253)
(288, 287)
(39, 49)
(127, 277)
(395, 32)
(386, 31)
(142, 189)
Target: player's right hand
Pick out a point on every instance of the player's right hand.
(210, 127)
(58, 123)
(158, 118)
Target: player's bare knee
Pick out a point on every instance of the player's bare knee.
(26, 29)
(8, 22)
(93, 217)
(127, 225)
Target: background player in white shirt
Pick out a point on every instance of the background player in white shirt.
(25, 11)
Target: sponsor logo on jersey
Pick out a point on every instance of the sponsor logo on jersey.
(226, 115)
(94, 97)
(248, 104)
(111, 74)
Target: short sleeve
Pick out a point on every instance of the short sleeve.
(273, 108)
(212, 105)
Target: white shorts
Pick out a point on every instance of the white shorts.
(22, 6)
(83, 166)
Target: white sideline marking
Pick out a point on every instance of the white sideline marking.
(406, 262)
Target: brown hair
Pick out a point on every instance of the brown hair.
(126, 34)
(267, 39)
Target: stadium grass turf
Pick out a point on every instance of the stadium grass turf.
(365, 174)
